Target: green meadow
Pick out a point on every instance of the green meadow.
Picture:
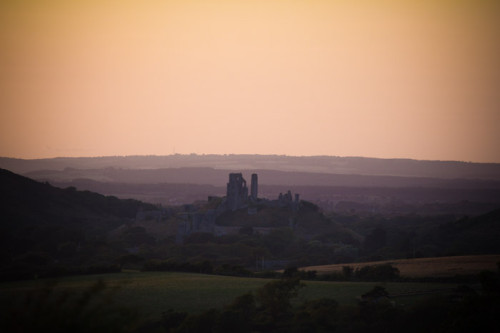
(152, 293)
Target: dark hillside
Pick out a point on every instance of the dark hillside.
(476, 235)
(26, 201)
(42, 224)
(418, 236)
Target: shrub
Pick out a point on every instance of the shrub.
(383, 272)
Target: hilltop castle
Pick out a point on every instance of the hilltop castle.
(237, 197)
(237, 193)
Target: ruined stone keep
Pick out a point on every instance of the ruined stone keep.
(237, 191)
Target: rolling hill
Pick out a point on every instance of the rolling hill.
(42, 224)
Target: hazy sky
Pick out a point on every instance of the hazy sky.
(411, 79)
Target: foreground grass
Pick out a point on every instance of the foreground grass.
(152, 293)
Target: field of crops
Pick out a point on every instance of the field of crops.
(427, 267)
(155, 292)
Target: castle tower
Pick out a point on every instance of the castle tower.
(254, 187)
(237, 191)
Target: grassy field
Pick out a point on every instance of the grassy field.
(155, 292)
(425, 267)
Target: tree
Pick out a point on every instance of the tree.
(316, 316)
(204, 322)
(277, 241)
(274, 297)
(347, 271)
(239, 316)
(490, 282)
(172, 319)
(247, 230)
(291, 272)
(382, 272)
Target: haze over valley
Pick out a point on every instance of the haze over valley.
(343, 184)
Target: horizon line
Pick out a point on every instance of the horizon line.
(246, 154)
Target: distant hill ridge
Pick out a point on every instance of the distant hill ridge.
(218, 177)
(308, 164)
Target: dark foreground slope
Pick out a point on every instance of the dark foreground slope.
(41, 223)
(27, 201)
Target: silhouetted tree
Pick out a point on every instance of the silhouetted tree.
(239, 316)
(274, 299)
(316, 316)
(172, 319)
(384, 272)
(347, 271)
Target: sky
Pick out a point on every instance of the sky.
(387, 79)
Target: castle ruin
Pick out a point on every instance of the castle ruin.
(237, 191)
(237, 197)
(237, 194)
(254, 187)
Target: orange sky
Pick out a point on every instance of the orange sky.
(350, 78)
